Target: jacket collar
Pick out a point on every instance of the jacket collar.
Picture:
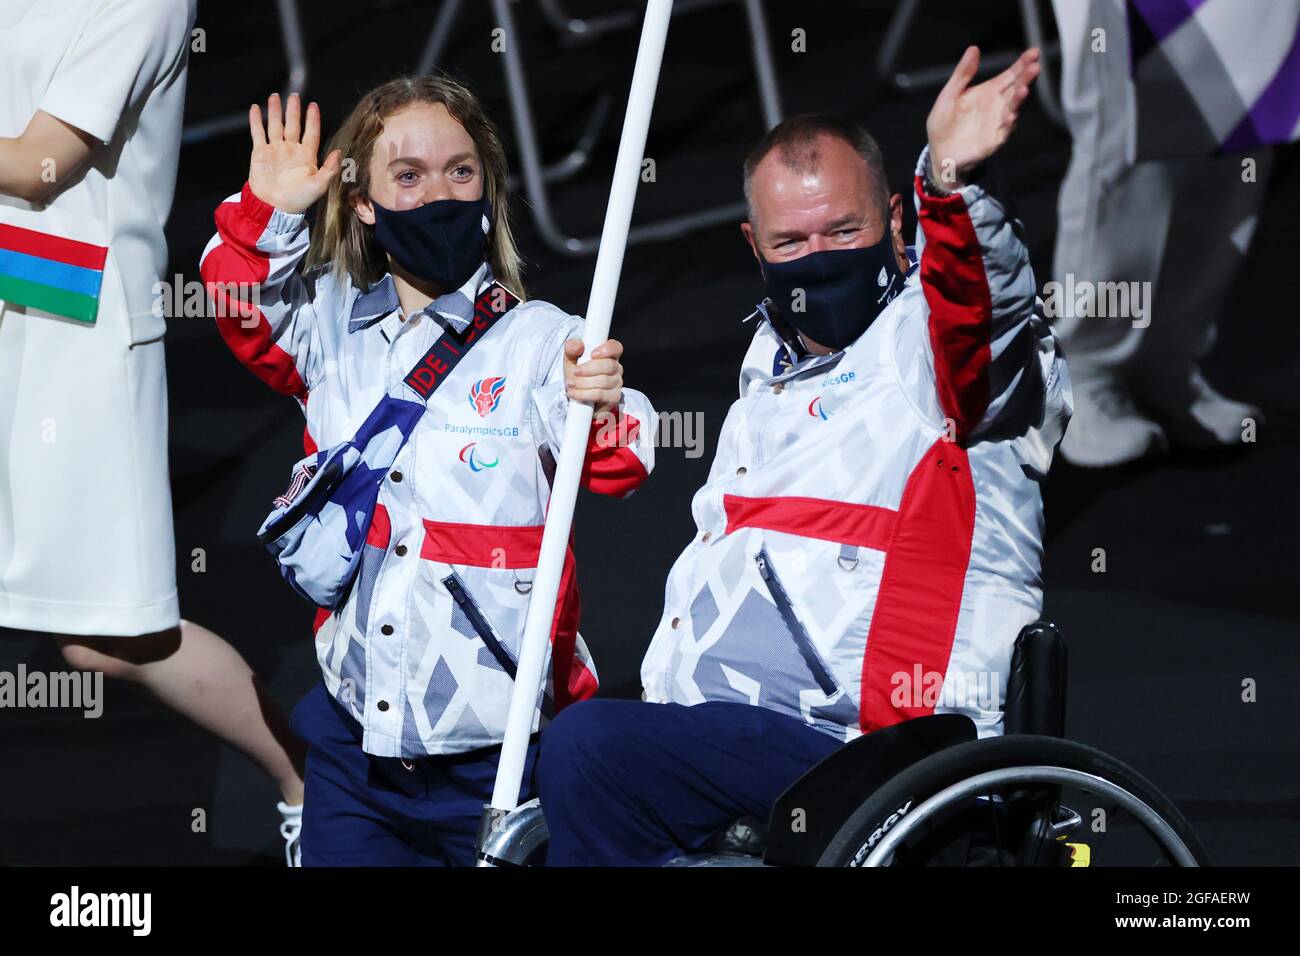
(457, 307)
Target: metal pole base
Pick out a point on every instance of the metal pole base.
(514, 838)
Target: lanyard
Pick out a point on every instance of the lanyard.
(446, 353)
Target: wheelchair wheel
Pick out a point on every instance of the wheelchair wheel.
(1018, 800)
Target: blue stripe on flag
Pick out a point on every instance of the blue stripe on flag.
(48, 272)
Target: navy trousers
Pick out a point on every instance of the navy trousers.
(628, 783)
(361, 810)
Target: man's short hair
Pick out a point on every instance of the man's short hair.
(795, 141)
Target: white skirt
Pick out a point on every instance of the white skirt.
(86, 539)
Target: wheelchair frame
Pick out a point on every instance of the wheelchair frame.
(843, 784)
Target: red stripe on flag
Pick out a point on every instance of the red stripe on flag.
(44, 246)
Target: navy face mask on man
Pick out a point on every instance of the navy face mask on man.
(834, 295)
(440, 242)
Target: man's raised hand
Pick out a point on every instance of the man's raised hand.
(968, 124)
(283, 171)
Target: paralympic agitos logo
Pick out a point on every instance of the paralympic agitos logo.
(479, 457)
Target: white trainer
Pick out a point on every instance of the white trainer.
(1106, 429)
(291, 830)
(1196, 416)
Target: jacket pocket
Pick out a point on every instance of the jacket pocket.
(816, 664)
(477, 620)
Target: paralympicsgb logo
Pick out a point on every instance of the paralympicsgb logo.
(485, 394)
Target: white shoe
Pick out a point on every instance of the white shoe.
(1106, 429)
(1197, 416)
(291, 830)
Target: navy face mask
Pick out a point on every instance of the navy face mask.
(834, 295)
(440, 242)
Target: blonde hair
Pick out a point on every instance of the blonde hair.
(344, 243)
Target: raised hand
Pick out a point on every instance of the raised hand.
(283, 171)
(968, 124)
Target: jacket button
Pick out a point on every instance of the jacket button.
(707, 536)
(778, 388)
(396, 476)
(400, 551)
(382, 705)
(386, 629)
(677, 621)
(741, 470)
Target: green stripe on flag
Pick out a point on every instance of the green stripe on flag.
(34, 295)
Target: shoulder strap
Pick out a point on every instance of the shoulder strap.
(445, 354)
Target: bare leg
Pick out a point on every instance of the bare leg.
(199, 675)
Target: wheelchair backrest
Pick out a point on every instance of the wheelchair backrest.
(1035, 701)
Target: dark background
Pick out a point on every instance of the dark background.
(1199, 592)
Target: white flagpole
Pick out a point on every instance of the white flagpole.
(577, 426)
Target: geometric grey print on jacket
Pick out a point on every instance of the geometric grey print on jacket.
(730, 570)
(353, 668)
(371, 558)
(487, 659)
(469, 727)
(442, 688)
(704, 611)
(841, 712)
(411, 742)
(829, 603)
(521, 486)
(758, 645)
(471, 481)
(461, 624)
(332, 652)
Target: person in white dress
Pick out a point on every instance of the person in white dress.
(91, 100)
(1172, 108)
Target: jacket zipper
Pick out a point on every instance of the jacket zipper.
(809, 653)
(460, 595)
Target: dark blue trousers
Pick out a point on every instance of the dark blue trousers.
(627, 783)
(360, 810)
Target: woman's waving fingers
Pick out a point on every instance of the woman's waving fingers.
(255, 128)
(311, 129)
(293, 119)
(274, 119)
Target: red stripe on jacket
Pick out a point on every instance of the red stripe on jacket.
(518, 546)
(612, 467)
(866, 526)
(917, 605)
(961, 308)
(237, 262)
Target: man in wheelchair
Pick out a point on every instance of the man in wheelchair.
(870, 537)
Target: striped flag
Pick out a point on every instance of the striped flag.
(50, 273)
(1213, 76)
